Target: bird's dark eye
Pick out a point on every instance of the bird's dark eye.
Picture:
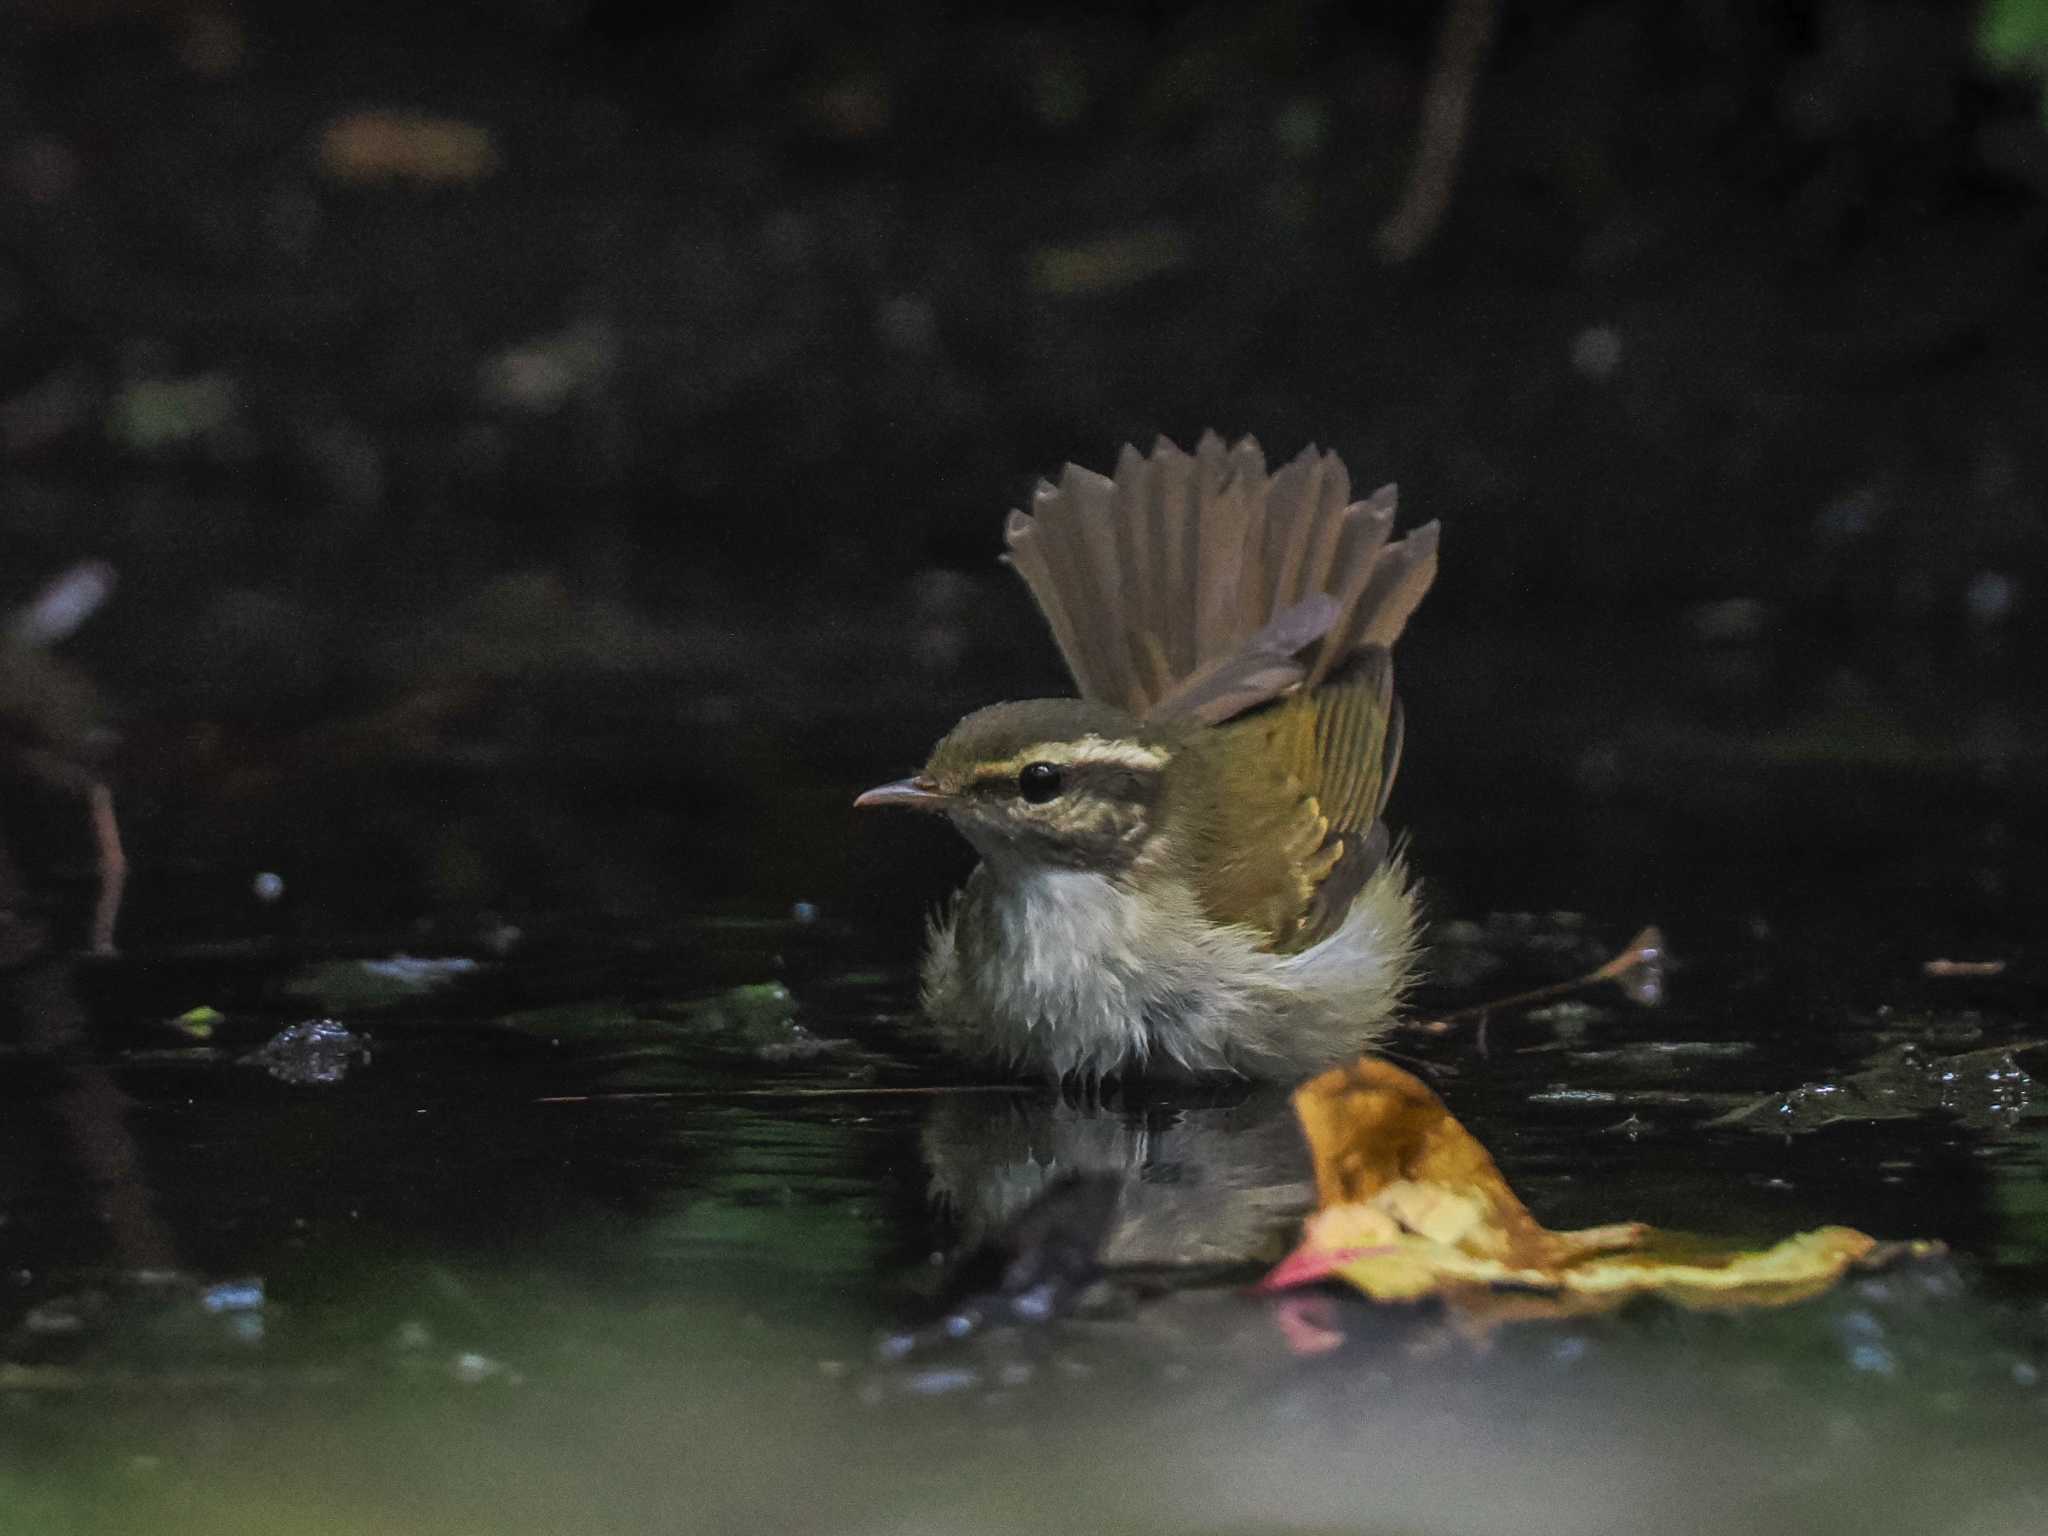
(1039, 782)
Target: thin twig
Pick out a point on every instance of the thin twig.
(780, 1093)
(1646, 948)
(1461, 48)
(113, 865)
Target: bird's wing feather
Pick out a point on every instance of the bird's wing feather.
(1292, 829)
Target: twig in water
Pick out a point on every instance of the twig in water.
(779, 1093)
(1639, 970)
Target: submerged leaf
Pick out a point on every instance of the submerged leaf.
(1043, 1258)
(1412, 1206)
(199, 1023)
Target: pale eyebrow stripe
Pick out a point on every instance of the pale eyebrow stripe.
(1088, 752)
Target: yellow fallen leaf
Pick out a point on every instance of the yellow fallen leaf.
(1412, 1206)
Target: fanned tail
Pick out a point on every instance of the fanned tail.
(1198, 585)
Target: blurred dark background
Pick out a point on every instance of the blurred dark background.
(551, 453)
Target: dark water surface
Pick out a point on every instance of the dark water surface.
(638, 1215)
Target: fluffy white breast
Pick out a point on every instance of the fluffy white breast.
(1062, 970)
(1050, 961)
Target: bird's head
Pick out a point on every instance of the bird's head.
(1058, 782)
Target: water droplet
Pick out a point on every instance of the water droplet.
(1596, 352)
(1989, 597)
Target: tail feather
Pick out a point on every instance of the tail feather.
(1174, 494)
(1226, 550)
(1107, 623)
(1395, 583)
(1200, 584)
(1300, 540)
(1027, 553)
(1141, 543)
(1362, 553)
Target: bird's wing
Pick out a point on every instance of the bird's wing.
(1198, 586)
(1291, 828)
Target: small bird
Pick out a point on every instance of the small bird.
(1184, 869)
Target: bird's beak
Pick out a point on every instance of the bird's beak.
(917, 793)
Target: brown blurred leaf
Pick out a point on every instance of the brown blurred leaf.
(369, 147)
(1412, 1206)
(1952, 968)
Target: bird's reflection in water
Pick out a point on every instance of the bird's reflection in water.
(1205, 1179)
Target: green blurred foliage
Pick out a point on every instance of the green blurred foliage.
(2013, 34)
